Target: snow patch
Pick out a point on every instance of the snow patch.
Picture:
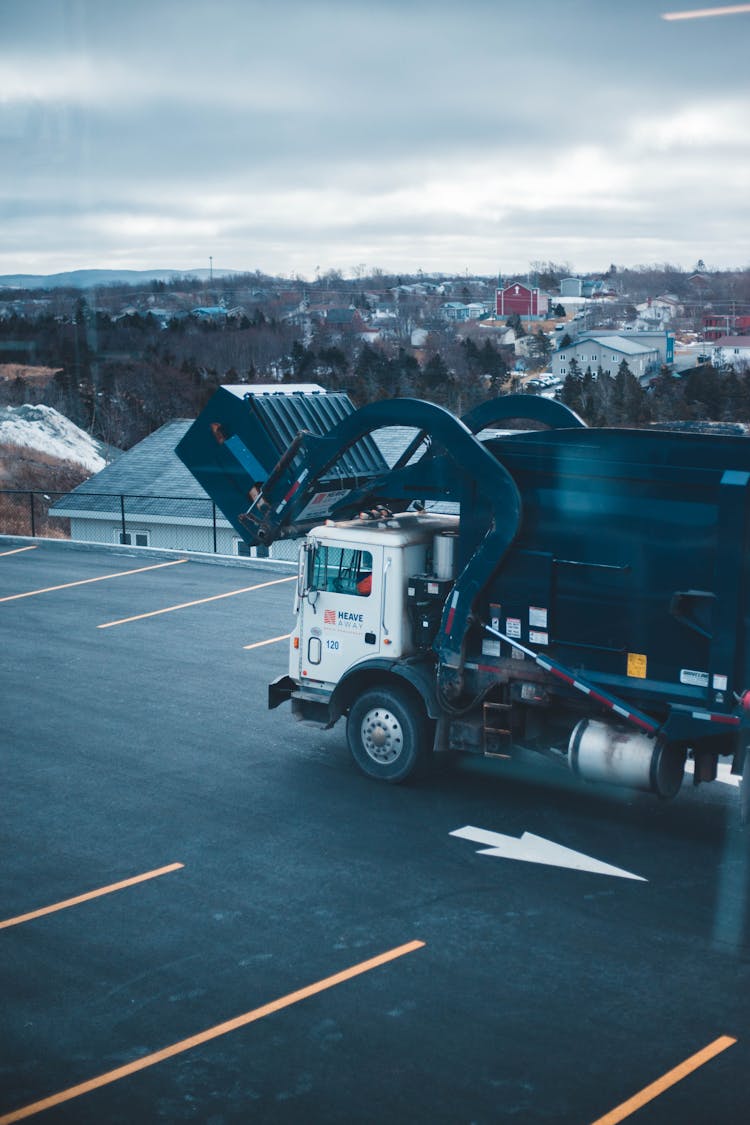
(46, 430)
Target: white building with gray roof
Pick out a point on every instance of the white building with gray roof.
(147, 498)
(606, 352)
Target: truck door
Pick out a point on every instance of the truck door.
(340, 615)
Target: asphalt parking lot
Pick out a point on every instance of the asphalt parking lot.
(208, 914)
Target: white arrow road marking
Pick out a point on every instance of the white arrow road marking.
(723, 772)
(535, 849)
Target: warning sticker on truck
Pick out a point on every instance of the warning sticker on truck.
(537, 617)
(321, 503)
(637, 664)
(695, 679)
(513, 626)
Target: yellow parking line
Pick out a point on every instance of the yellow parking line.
(270, 641)
(620, 1112)
(211, 1033)
(198, 601)
(17, 551)
(89, 895)
(86, 581)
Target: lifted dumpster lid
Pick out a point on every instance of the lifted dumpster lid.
(244, 430)
(284, 410)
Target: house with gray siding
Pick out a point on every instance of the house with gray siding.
(660, 339)
(571, 287)
(606, 352)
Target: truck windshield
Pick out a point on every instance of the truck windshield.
(343, 570)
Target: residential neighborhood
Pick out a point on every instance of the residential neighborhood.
(122, 360)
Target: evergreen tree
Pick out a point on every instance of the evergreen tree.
(593, 399)
(336, 363)
(667, 398)
(572, 389)
(493, 367)
(303, 362)
(631, 397)
(541, 348)
(472, 354)
(436, 378)
(373, 373)
(703, 392)
(406, 374)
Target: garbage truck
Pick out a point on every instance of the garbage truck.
(507, 581)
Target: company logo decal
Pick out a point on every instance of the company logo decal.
(341, 619)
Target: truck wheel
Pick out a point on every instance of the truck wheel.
(387, 732)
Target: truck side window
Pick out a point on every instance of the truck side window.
(343, 570)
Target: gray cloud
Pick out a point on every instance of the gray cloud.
(288, 135)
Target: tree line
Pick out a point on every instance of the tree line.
(122, 377)
(701, 394)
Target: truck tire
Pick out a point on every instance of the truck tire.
(388, 734)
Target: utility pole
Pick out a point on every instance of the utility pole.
(211, 269)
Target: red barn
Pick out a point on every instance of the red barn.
(518, 298)
(722, 324)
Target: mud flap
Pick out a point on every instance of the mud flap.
(279, 691)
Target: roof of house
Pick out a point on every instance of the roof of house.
(150, 468)
(151, 472)
(518, 285)
(344, 316)
(732, 342)
(614, 343)
(661, 333)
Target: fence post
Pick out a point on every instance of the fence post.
(213, 505)
(31, 509)
(122, 515)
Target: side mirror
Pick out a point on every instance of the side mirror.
(306, 573)
(302, 567)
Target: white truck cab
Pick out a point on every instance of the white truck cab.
(352, 590)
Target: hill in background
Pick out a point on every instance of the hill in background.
(88, 279)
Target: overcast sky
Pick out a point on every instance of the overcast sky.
(297, 135)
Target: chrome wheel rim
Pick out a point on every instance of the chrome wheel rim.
(382, 736)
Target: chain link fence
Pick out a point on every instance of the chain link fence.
(178, 523)
(27, 513)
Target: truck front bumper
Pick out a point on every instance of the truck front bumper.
(279, 691)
